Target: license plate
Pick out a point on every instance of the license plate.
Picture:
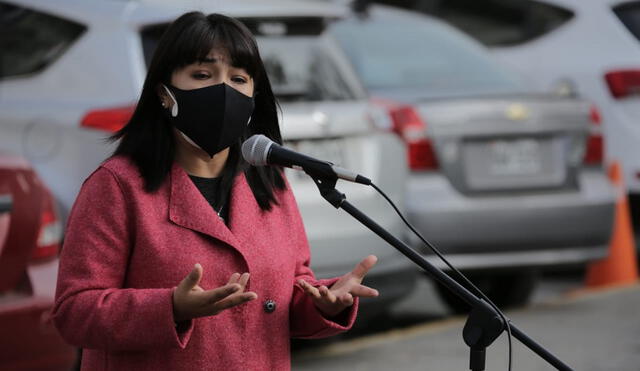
(517, 157)
(517, 163)
(330, 150)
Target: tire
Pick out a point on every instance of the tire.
(507, 290)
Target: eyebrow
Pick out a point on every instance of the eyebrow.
(215, 60)
(209, 60)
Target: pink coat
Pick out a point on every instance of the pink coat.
(125, 251)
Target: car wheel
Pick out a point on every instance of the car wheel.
(506, 290)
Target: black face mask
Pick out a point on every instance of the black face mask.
(211, 118)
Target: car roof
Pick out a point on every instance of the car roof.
(576, 4)
(155, 11)
(379, 12)
(386, 12)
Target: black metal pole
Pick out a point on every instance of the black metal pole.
(443, 278)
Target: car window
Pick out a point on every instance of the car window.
(495, 22)
(296, 56)
(301, 69)
(629, 14)
(30, 40)
(394, 52)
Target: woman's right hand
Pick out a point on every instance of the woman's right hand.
(192, 301)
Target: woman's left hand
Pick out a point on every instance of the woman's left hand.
(332, 301)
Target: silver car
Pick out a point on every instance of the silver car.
(503, 180)
(590, 48)
(80, 65)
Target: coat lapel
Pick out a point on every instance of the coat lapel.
(189, 209)
(245, 215)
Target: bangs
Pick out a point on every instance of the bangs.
(221, 33)
(148, 138)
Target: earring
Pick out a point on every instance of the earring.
(163, 104)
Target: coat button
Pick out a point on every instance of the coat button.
(269, 306)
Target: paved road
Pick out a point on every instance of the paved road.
(591, 331)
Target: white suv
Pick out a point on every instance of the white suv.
(74, 70)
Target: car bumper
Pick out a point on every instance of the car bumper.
(394, 275)
(337, 253)
(520, 259)
(544, 228)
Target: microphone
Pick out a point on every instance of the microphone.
(260, 151)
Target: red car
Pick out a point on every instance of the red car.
(30, 239)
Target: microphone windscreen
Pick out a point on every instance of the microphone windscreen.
(256, 149)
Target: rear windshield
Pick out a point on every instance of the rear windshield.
(296, 55)
(393, 52)
(495, 22)
(629, 14)
(30, 40)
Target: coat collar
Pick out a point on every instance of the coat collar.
(189, 209)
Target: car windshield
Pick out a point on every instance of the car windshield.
(298, 59)
(395, 52)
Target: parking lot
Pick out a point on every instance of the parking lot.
(140, 139)
(591, 330)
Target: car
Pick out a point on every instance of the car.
(83, 68)
(586, 48)
(505, 181)
(30, 236)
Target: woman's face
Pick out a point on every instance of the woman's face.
(215, 69)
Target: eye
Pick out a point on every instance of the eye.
(200, 75)
(239, 79)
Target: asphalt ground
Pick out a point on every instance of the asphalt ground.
(592, 330)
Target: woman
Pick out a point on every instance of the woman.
(180, 256)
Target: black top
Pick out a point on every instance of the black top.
(209, 189)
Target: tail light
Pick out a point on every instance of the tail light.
(50, 236)
(595, 143)
(623, 83)
(406, 122)
(109, 120)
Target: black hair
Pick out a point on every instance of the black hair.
(148, 138)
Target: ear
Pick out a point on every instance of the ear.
(167, 99)
(162, 95)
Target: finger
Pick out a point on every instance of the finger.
(363, 267)
(346, 300)
(326, 294)
(234, 278)
(234, 300)
(192, 279)
(217, 294)
(309, 290)
(243, 280)
(364, 291)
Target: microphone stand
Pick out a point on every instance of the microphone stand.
(483, 325)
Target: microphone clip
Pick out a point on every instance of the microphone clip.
(327, 187)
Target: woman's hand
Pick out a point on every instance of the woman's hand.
(192, 301)
(332, 301)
